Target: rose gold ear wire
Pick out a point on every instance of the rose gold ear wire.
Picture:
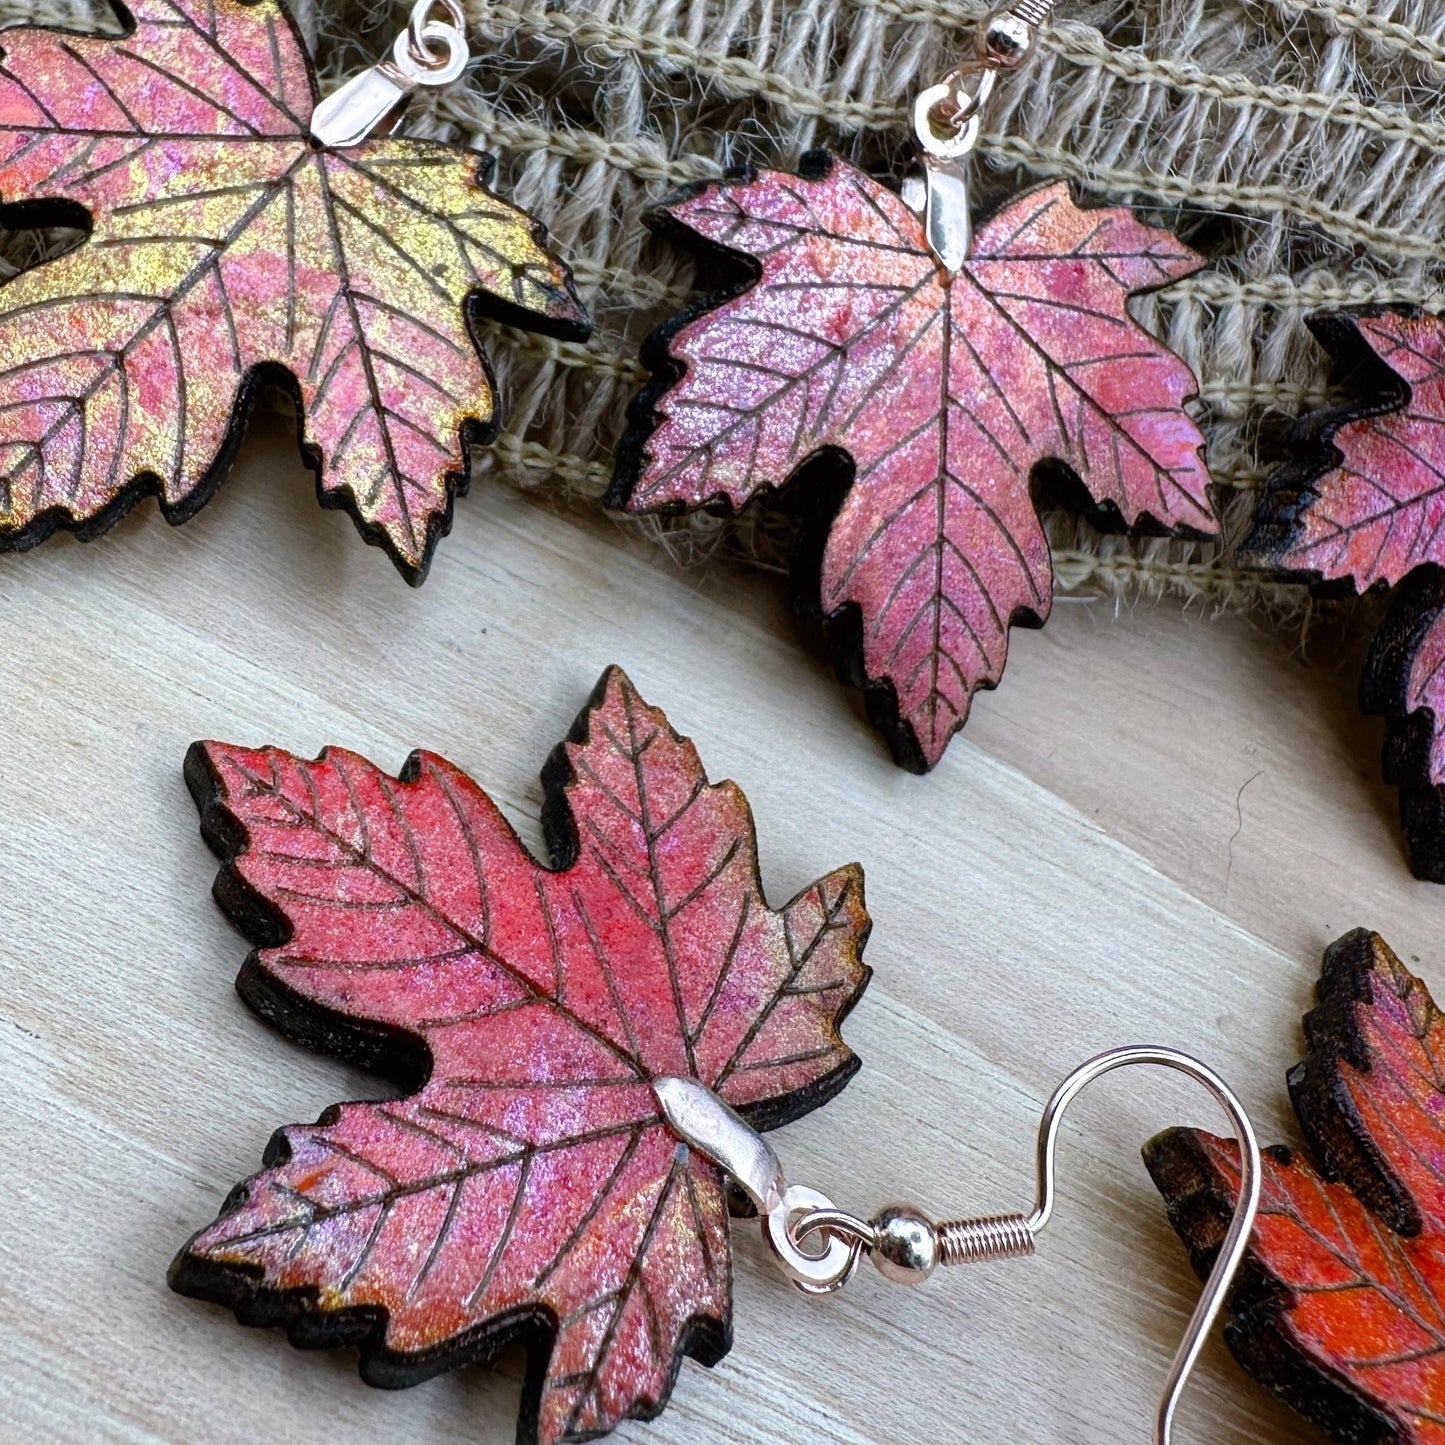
(948, 117)
(819, 1246)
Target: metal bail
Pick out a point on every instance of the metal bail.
(942, 201)
(347, 116)
(946, 213)
(376, 97)
(703, 1122)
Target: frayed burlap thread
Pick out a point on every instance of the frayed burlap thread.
(1299, 144)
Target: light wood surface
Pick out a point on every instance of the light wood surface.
(1148, 834)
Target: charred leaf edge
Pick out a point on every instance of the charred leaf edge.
(477, 305)
(814, 492)
(1257, 1334)
(401, 1057)
(309, 1327)
(1414, 610)
(1292, 488)
(1355, 966)
(1340, 1150)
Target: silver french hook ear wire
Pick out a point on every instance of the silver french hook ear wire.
(818, 1246)
(1236, 1241)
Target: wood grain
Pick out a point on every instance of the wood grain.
(1148, 834)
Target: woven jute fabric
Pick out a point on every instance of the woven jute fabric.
(1298, 144)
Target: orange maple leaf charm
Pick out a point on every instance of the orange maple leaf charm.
(1341, 1305)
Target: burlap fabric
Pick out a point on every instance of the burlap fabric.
(1299, 144)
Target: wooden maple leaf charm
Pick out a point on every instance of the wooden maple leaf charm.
(226, 248)
(529, 1187)
(1341, 1306)
(1362, 506)
(919, 412)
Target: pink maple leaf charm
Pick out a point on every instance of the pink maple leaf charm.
(528, 1188)
(1361, 506)
(934, 406)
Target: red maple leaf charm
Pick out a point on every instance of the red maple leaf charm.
(933, 406)
(1362, 505)
(528, 1188)
(225, 248)
(1341, 1306)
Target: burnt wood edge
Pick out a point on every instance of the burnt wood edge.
(1288, 494)
(816, 489)
(1311, 453)
(1257, 1333)
(1414, 610)
(1355, 966)
(310, 1327)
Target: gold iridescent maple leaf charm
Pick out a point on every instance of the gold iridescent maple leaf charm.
(239, 234)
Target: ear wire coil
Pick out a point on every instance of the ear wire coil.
(1033, 12)
(979, 1241)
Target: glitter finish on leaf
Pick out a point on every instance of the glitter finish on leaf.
(1361, 506)
(1341, 1309)
(918, 413)
(225, 248)
(528, 1188)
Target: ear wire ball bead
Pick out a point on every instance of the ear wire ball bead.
(905, 1244)
(1003, 41)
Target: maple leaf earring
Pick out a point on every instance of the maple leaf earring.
(1340, 1311)
(1360, 507)
(240, 232)
(592, 1048)
(920, 384)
